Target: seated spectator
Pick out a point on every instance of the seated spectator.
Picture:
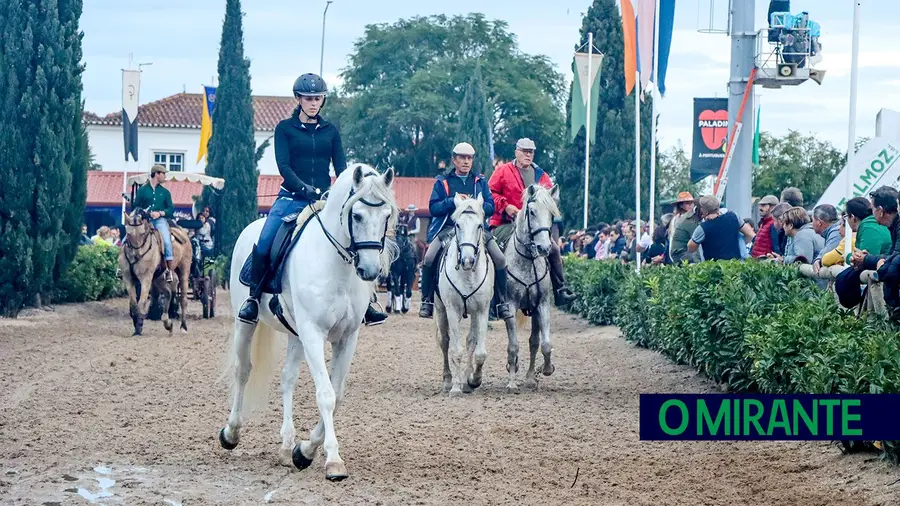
(805, 243)
(716, 232)
(762, 245)
(884, 203)
(825, 223)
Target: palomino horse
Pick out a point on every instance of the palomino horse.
(141, 261)
(327, 283)
(530, 289)
(403, 272)
(465, 288)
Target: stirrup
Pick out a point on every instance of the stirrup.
(249, 312)
(503, 311)
(374, 317)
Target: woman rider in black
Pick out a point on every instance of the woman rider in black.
(306, 145)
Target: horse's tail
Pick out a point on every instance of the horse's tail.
(263, 359)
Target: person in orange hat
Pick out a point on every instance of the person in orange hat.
(684, 221)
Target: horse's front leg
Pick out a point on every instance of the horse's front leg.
(512, 350)
(444, 342)
(342, 355)
(314, 347)
(534, 342)
(478, 332)
(143, 303)
(183, 278)
(229, 436)
(456, 350)
(543, 324)
(132, 303)
(289, 375)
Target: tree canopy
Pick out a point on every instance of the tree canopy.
(406, 81)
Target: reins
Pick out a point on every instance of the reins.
(531, 257)
(459, 246)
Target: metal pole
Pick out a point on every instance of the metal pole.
(851, 134)
(738, 190)
(652, 215)
(587, 128)
(637, 166)
(322, 51)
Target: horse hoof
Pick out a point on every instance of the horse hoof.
(300, 460)
(547, 371)
(512, 389)
(474, 383)
(455, 392)
(224, 442)
(335, 471)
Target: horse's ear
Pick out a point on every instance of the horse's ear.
(554, 192)
(357, 175)
(388, 177)
(480, 199)
(530, 192)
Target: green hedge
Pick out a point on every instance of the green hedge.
(753, 326)
(92, 275)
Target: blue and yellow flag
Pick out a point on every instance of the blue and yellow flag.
(209, 103)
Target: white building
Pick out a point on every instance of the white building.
(169, 133)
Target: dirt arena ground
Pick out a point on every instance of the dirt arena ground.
(91, 415)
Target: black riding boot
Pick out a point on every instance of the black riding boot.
(561, 294)
(427, 308)
(373, 316)
(503, 310)
(249, 312)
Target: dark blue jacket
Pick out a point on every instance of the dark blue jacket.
(441, 205)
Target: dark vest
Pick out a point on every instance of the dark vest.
(721, 241)
(458, 185)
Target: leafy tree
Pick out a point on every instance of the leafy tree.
(40, 98)
(796, 160)
(673, 175)
(612, 178)
(232, 147)
(406, 82)
(474, 123)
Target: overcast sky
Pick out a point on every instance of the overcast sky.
(282, 39)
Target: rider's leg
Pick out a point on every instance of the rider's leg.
(499, 260)
(163, 226)
(562, 295)
(249, 312)
(434, 249)
(373, 316)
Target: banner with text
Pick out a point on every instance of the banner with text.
(710, 133)
(875, 164)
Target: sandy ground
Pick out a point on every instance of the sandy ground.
(91, 415)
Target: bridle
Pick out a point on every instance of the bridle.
(476, 246)
(350, 254)
(534, 255)
(459, 247)
(133, 260)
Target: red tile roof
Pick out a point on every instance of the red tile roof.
(105, 190)
(184, 110)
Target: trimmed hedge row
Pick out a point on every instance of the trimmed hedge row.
(752, 326)
(92, 275)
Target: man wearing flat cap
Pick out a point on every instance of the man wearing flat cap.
(507, 184)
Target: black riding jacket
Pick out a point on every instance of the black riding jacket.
(305, 151)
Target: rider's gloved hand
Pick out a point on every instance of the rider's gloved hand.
(308, 192)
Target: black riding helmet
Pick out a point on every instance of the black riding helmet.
(310, 85)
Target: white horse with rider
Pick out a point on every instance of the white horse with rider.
(466, 287)
(328, 279)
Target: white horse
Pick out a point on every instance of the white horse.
(530, 288)
(466, 286)
(327, 285)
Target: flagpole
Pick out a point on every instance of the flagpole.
(652, 215)
(587, 126)
(637, 166)
(851, 135)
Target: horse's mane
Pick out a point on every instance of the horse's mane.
(466, 205)
(372, 188)
(543, 198)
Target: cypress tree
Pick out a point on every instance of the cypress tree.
(474, 123)
(41, 102)
(611, 184)
(232, 147)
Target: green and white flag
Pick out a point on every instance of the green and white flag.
(582, 83)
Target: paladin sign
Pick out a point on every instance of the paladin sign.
(875, 164)
(710, 133)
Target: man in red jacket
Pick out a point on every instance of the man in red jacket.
(507, 184)
(762, 245)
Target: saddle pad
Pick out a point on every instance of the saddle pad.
(286, 237)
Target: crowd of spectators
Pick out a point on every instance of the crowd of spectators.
(786, 232)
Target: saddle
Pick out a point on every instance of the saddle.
(286, 238)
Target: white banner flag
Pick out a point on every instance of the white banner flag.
(131, 86)
(875, 164)
(585, 80)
